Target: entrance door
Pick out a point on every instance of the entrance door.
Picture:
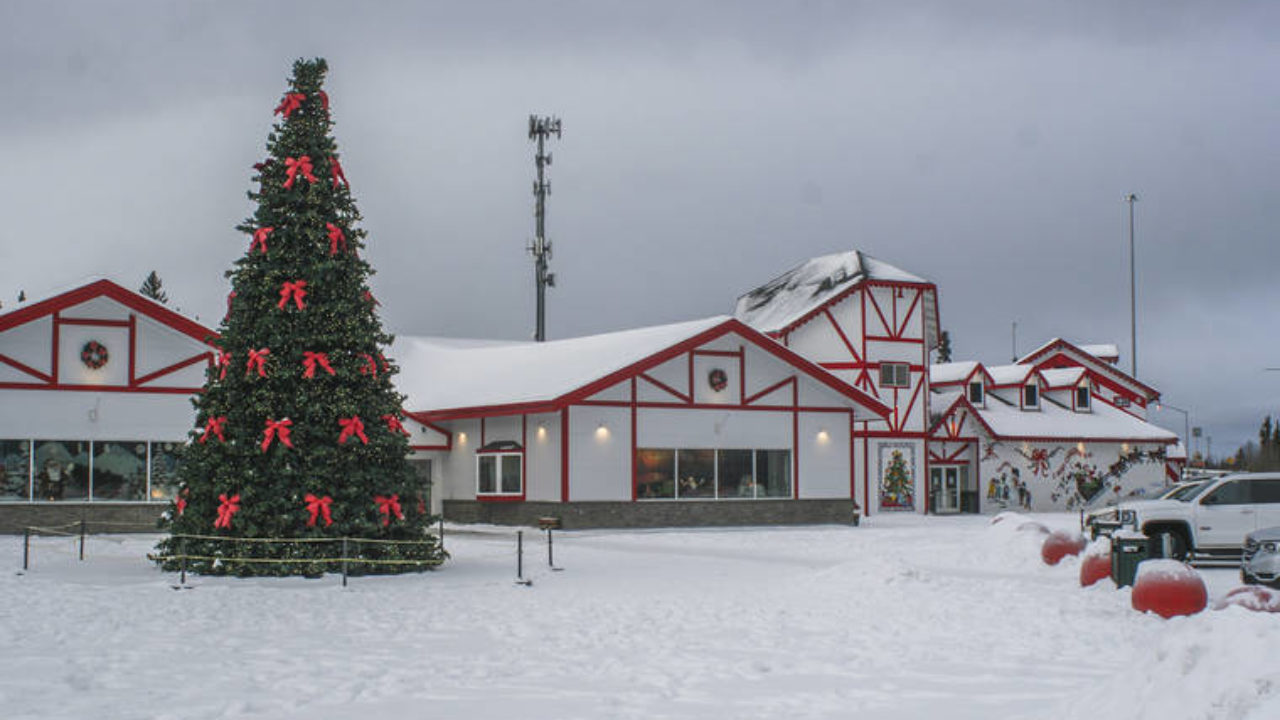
(944, 482)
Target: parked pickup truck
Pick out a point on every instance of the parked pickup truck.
(1210, 521)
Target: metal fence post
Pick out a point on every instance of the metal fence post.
(550, 557)
(82, 524)
(520, 555)
(344, 562)
(182, 548)
(26, 548)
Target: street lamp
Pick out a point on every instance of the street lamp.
(1186, 426)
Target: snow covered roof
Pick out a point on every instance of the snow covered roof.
(1054, 422)
(952, 372)
(1009, 374)
(441, 374)
(1062, 377)
(1057, 350)
(792, 295)
(70, 296)
(1105, 351)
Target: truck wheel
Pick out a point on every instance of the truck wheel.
(1177, 544)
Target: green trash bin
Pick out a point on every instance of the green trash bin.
(1128, 548)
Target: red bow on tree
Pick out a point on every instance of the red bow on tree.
(291, 102)
(230, 296)
(324, 100)
(368, 297)
(224, 362)
(274, 427)
(213, 426)
(389, 506)
(311, 359)
(335, 172)
(180, 503)
(352, 426)
(293, 166)
(230, 506)
(383, 360)
(295, 290)
(370, 367)
(257, 357)
(394, 424)
(260, 239)
(336, 236)
(319, 506)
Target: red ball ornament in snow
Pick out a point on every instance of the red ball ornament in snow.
(1169, 588)
(1094, 568)
(1251, 597)
(1059, 545)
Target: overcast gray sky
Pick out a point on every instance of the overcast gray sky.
(707, 147)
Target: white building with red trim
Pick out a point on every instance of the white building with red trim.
(95, 395)
(702, 422)
(872, 325)
(1060, 429)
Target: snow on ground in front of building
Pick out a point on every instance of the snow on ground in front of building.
(904, 617)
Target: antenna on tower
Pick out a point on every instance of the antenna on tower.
(539, 129)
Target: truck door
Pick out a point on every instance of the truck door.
(1225, 515)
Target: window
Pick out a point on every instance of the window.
(1266, 491)
(975, 392)
(895, 375)
(15, 469)
(164, 470)
(499, 473)
(119, 471)
(61, 470)
(712, 474)
(1232, 493)
(1030, 396)
(1082, 397)
(93, 471)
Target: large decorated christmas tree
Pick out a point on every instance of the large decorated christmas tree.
(299, 433)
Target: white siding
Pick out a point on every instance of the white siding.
(542, 458)
(823, 449)
(727, 429)
(29, 344)
(599, 462)
(88, 415)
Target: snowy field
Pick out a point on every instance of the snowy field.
(905, 617)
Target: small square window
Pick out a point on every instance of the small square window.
(895, 375)
(975, 393)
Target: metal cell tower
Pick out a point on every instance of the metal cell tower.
(540, 128)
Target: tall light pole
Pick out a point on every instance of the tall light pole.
(1186, 426)
(1132, 198)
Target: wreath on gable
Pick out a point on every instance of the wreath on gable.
(94, 355)
(718, 379)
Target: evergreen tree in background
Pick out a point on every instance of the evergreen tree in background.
(298, 428)
(944, 347)
(151, 288)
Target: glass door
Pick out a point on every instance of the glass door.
(945, 483)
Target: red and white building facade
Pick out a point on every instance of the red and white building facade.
(95, 396)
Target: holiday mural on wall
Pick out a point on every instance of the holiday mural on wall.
(298, 435)
(897, 476)
(1068, 477)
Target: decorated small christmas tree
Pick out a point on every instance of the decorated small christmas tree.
(897, 483)
(299, 434)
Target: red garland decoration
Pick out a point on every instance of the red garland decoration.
(295, 290)
(389, 506)
(311, 359)
(319, 506)
(324, 100)
(370, 367)
(293, 166)
(394, 424)
(259, 358)
(214, 426)
(352, 426)
(230, 506)
(335, 172)
(260, 239)
(94, 355)
(291, 102)
(336, 237)
(274, 428)
(386, 366)
(224, 362)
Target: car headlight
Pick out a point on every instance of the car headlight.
(1128, 516)
(1270, 547)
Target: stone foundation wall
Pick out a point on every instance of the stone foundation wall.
(99, 517)
(682, 513)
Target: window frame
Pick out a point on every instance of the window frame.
(1031, 392)
(982, 392)
(758, 491)
(1088, 398)
(892, 370)
(496, 456)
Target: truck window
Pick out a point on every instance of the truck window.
(1231, 493)
(1266, 491)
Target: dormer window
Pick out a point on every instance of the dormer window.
(975, 392)
(1082, 398)
(1030, 396)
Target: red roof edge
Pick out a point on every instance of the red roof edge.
(107, 288)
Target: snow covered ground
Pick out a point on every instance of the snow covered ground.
(904, 617)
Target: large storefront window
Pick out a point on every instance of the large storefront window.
(164, 470)
(15, 469)
(62, 470)
(663, 473)
(119, 471)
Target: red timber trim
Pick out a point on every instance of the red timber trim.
(169, 369)
(760, 340)
(713, 406)
(840, 296)
(906, 416)
(742, 375)
(965, 444)
(564, 454)
(94, 322)
(133, 349)
(448, 435)
(774, 387)
(884, 322)
(891, 435)
(866, 471)
(99, 388)
(635, 475)
(718, 353)
(99, 288)
(795, 442)
(53, 351)
(25, 368)
(841, 366)
(826, 310)
(911, 310)
(670, 390)
(524, 464)
(853, 464)
(1101, 367)
(896, 339)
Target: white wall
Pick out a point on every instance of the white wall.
(823, 450)
(87, 415)
(711, 429)
(542, 458)
(599, 459)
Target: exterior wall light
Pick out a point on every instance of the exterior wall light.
(602, 432)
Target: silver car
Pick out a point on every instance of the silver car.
(1261, 564)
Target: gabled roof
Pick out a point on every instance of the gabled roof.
(1054, 423)
(1010, 374)
(788, 299)
(954, 372)
(1076, 354)
(1062, 377)
(141, 304)
(450, 378)
(1103, 351)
